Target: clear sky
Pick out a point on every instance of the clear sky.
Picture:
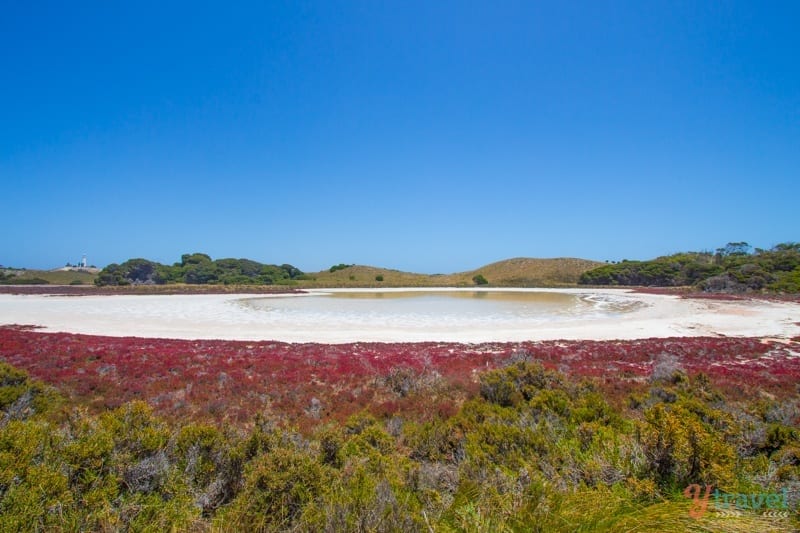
(426, 136)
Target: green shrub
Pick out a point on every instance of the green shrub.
(196, 269)
(533, 451)
(733, 268)
(479, 280)
(22, 397)
(681, 449)
(277, 489)
(340, 266)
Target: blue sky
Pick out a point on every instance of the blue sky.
(425, 136)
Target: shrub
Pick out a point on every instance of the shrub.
(21, 397)
(479, 280)
(340, 266)
(516, 383)
(680, 448)
(278, 487)
(733, 269)
(534, 451)
(196, 269)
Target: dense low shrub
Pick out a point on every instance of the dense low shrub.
(479, 280)
(532, 449)
(732, 269)
(196, 269)
(340, 266)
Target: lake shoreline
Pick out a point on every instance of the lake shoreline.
(222, 316)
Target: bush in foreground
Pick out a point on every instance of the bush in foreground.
(534, 451)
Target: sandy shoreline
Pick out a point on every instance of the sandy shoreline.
(218, 316)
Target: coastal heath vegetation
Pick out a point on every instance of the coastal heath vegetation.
(527, 448)
(197, 269)
(734, 268)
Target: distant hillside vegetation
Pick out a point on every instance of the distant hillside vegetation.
(20, 277)
(517, 272)
(44, 277)
(527, 272)
(736, 268)
(343, 275)
(197, 269)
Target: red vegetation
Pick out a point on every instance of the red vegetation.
(232, 380)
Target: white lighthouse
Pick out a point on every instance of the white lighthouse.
(83, 261)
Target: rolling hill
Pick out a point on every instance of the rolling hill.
(517, 272)
(528, 272)
(53, 277)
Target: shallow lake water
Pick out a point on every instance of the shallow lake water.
(411, 309)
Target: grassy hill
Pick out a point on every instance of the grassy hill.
(517, 272)
(52, 277)
(527, 272)
(365, 276)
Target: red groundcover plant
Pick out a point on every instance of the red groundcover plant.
(303, 383)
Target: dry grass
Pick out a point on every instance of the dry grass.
(517, 272)
(365, 276)
(606, 510)
(528, 272)
(58, 277)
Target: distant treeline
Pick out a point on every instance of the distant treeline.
(736, 268)
(197, 269)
